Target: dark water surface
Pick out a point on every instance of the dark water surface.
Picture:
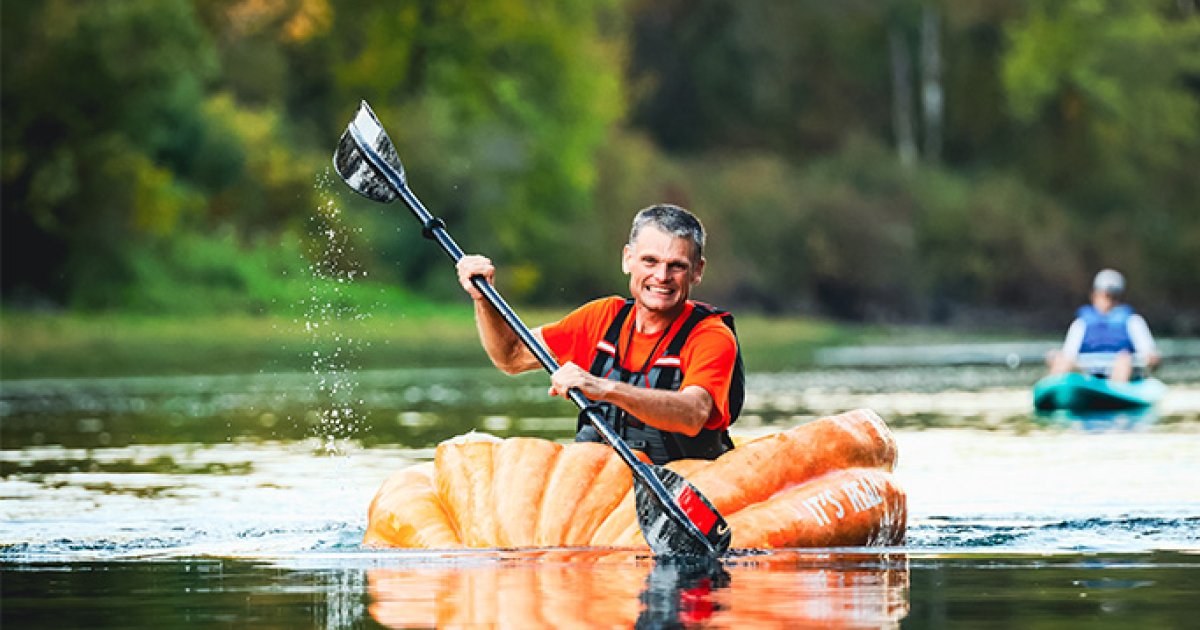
(588, 588)
(240, 501)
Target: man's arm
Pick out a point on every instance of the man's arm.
(503, 346)
(1074, 339)
(1144, 347)
(685, 411)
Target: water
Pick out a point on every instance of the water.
(152, 502)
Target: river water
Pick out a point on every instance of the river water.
(240, 500)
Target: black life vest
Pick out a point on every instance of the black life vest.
(663, 373)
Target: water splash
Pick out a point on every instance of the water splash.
(327, 308)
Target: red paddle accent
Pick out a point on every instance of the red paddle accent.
(696, 510)
(696, 604)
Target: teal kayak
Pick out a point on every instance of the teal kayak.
(1082, 392)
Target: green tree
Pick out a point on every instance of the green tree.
(1106, 97)
(496, 107)
(117, 145)
(103, 102)
(795, 78)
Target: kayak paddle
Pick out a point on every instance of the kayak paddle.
(674, 517)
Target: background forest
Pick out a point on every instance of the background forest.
(961, 163)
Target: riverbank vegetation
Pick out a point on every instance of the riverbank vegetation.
(944, 163)
(121, 344)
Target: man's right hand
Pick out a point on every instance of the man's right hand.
(474, 265)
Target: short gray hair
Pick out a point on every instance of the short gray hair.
(674, 221)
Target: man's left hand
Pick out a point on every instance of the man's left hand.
(572, 376)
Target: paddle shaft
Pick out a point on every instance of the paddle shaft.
(434, 229)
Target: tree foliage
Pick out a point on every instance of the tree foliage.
(150, 144)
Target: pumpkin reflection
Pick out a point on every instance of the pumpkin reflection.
(624, 588)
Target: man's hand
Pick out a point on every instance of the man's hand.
(474, 265)
(571, 375)
(685, 411)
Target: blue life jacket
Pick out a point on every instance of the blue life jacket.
(1106, 332)
(663, 373)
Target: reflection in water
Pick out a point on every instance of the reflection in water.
(410, 407)
(680, 591)
(342, 590)
(422, 407)
(595, 587)
(1140, 419)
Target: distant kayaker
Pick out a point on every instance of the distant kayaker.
(665, 370)
(1107, 337)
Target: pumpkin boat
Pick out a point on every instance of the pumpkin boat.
(826, 483)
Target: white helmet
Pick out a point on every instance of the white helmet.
(1109, 281)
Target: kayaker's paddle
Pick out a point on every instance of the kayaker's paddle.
(675, 518)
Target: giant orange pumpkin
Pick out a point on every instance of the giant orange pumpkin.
(824, 483)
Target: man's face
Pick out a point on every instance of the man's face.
(1102, 301)
(661, 270)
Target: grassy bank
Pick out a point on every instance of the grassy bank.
(123, 345)
(72, 345)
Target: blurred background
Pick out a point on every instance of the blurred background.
(906, 201)
(960, 165)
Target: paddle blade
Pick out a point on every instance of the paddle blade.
(664, 532)
(352, 164)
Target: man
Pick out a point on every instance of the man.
(661, 365)
(1107, 338)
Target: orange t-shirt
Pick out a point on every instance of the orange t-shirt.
(706, 360)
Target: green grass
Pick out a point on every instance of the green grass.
(34, 345)
(38, 345)
(124, 345)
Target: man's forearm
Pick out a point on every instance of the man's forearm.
(684, 411)
(502, 345)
